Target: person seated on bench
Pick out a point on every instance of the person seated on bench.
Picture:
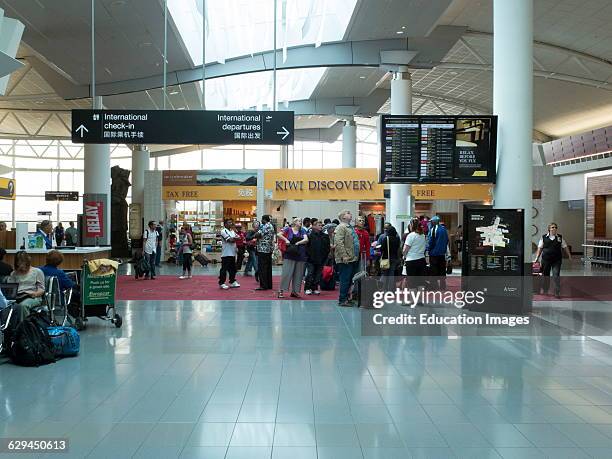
(54, 259)
(31, 285)
(5, 268)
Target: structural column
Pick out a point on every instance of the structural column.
(513, 104)
(140, 164)
(284, 156)
(261, 203)
(349, 144)
(401, 104)
(97, 176)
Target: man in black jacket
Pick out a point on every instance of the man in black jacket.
(317, 251)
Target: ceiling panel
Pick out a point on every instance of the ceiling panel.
(376, 19)
(582, 25)
(129, 37)
(348, 82)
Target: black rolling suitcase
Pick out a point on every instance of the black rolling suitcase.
(201, 258)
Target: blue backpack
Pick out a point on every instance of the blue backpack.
(65, 341)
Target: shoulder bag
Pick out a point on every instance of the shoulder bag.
(385, 263)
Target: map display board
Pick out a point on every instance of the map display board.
(492, 241)
(493, 259)
(438, 149)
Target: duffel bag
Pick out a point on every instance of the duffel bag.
(65, 341)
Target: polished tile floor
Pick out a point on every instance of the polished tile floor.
(296, 380)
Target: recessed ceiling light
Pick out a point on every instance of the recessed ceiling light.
(403, 27)
(399, 32)
(362, 77)
(181, 108)
(174, 92)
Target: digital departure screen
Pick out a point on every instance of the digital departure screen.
(438, 149)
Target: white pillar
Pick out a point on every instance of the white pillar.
(401, 104)
(349, 144)
(284, 157)
(97, 176)
(261, 205)
(513, 104)
(140, 164)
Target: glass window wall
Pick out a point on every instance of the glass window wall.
(37, 168)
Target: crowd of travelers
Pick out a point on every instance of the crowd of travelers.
(320, 254)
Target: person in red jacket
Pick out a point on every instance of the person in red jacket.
(364, 241)
(240, 245)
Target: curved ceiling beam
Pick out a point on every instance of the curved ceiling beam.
(367, 53)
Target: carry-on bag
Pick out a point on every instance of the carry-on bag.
(200, 258)
(31, 345)
(65, 341)
(328, 280)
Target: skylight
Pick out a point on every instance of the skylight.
(253, 91)
(241, 27)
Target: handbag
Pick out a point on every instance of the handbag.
(536, 268)
(385, 263)
(292, 250)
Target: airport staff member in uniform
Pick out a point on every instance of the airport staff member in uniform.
(551, 248)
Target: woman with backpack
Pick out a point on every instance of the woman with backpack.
(294, 258)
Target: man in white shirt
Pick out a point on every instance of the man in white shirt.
(228, 255)
(150, 247)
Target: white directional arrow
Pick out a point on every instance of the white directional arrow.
(284, 133)
(82, 128)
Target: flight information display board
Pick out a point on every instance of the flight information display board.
(438, 149)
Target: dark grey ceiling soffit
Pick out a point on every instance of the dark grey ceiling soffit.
(328, 135)
(362, 106)
(429, 52)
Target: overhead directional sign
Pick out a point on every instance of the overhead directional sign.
(182, 127)
(61, 195)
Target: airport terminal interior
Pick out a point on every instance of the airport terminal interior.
(306, 229)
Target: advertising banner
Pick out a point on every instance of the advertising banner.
(99, 290)
(94, 219)
(210, 185)
(7, 188)
(323, 184)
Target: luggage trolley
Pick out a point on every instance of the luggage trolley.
(97, 297)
